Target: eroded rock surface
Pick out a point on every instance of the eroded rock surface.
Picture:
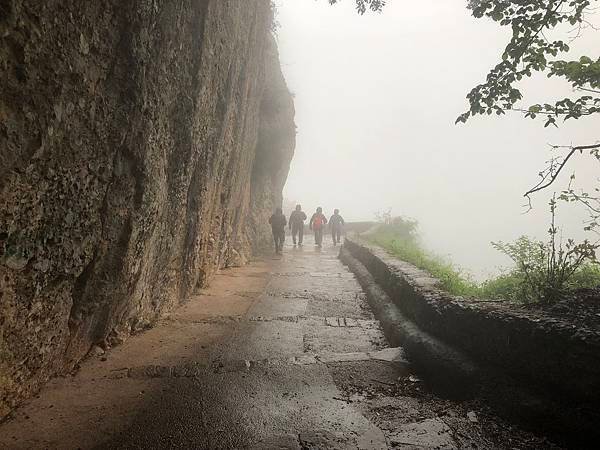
(142, 143)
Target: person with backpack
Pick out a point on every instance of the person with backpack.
(278, 223)
(336, 222)
(316, 224)
(297, 219)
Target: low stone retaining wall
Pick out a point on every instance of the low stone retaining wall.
(555, 359)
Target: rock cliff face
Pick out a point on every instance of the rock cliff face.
(142, 145)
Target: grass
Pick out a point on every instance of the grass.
(401, 240)
(588, 276)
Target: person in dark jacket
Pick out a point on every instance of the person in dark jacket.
(336, 222)
(317, 224)
(278, 223)
(297, 219)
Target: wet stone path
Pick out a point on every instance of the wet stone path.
(283, 353)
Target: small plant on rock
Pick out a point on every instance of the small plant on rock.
(384, 216)
(546, 271)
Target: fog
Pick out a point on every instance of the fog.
(376, 97)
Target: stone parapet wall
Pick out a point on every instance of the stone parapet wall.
(549, 356)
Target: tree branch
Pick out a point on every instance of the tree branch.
(593, 91)
(541, 185)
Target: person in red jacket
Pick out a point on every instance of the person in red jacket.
(317, 225)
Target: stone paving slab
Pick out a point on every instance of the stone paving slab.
(261, 340)
(278, 306)
(234, 410)
(351, 305)
(343, 339)
(199, 369)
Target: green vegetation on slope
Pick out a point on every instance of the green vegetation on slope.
(400, 239)
(542, 272)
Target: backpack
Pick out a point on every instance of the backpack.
(318, 222)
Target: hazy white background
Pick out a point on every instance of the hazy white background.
(376, 98)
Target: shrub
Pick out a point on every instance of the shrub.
(588, 276)
(548, 270)
(506, 286)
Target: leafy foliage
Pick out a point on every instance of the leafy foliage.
(530, 51)
(363, 5)
(507, 286)
(543, 272)
(547, 269)
(587, 276)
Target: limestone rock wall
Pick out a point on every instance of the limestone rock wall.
(142, 144)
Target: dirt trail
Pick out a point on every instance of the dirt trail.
(283, 353)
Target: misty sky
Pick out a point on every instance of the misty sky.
(376, 98)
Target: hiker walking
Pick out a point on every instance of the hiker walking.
(336, 222)
(278, 222)
(297, 219)
(317, 223)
